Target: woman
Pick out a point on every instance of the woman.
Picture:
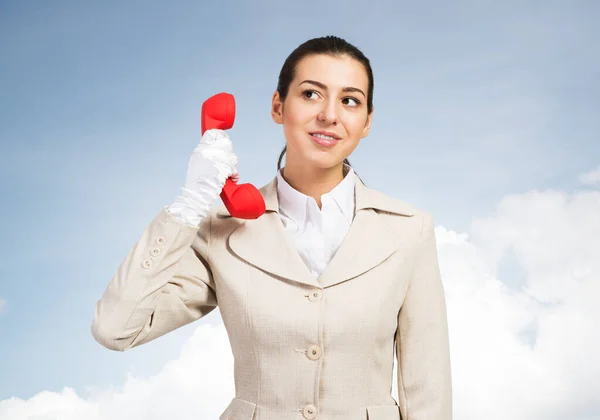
(317, 293)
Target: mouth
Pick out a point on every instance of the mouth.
(325, 135)
(326, 140)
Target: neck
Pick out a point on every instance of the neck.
(313, 182)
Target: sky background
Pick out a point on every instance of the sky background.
(486, 115)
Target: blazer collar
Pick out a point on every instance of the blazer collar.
(265, 244)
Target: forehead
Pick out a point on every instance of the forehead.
(334, 71)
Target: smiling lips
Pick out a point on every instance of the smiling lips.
(324, 138)
(325, 135)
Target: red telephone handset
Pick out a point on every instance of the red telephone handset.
(243, 201)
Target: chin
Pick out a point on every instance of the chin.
(324, 161)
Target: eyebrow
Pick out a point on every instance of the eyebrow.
(324, 87)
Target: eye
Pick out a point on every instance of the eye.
(306, 93)
(357, 102)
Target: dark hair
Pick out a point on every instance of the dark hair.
(330, 45)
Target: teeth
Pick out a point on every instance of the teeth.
(323, 136)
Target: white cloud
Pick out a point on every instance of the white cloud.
(527, 352)
(592, 177)
(524, 350)
(198, 385)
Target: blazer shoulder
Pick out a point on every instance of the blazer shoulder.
(401, 214)
(388, 204)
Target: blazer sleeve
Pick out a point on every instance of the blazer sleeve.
(422, 343)
(165, 282)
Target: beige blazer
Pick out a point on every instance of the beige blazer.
(304, 348)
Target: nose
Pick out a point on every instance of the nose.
(328, 113)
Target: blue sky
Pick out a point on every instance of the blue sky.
(99, 112)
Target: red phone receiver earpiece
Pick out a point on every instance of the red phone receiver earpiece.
(218, 111)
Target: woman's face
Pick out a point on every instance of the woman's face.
(327, 98)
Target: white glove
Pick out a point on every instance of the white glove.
(211, 163)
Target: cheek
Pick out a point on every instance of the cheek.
(295, 122)
(355, 125)
(290, 115)
(292, 130)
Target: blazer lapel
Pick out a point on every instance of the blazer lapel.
(265, 244)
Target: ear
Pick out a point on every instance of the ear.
(367, 127)
(277, 108)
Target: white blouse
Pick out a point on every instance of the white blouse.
(317, 234)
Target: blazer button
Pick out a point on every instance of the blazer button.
(161, 240)
(314, 352)
(315, 295)
(309, 411)
(155, 252)
(147, 264)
